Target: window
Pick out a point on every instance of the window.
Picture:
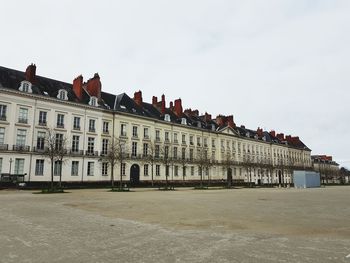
(192, 170)
(145, 149)
(191, 139)
(157, 170)
(105, 127)
(76, 123)
(40, 142)
(156, 151)
(39, 167)
(91, 125)
(176, 170)
(2, 136)
(19, 166)
(167, 117)
(134, 131)
(91, 145)
(123, 169)
(205, 142)
(183, 153)
(198, 141)
(166, 151)
(166, 136)
(157, 135)
(57, 168)
(175, 152)
(75, 143)
(199, 171)
(175, 138)
(183, 138)
(167, 170)
(213, 143)
(21, 137)
(183, 121)
(59, 141)
(23, 115)
(93, 101)
(3, 109)
(184, 171)
(191, 154)
(104, 169)
(134, 149)
(145, 133)
(60, 120)
(25, 86)
(123, 130)
(90, 168)
(145, 169)
(42, 118)
(0, 165)
(62, 94)
(104, 146)
(75, 168)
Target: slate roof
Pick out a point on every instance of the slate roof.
(10, 78)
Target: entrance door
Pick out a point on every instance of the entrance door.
(279, 177)
(134, 174)
(229, 177)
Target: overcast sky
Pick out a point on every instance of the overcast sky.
(281, 65)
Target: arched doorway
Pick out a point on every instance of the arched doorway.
(229, 177)
(279, 177)
(134, 174)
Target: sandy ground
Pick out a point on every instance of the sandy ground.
(239, 225)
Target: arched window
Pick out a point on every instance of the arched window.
(62, 94)
(26, 86)
(93, 101)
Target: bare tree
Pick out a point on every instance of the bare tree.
(165, 158)
(55, 148)
(249, 164)
(151, 157)
(227, 163)
(203, 162)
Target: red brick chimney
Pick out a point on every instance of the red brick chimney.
(154, 101)
(178, 108)
(78, 87)
(280, 136)
(163, 104)
(30, 73)
(259, 131)
(93, 86)
(207, 117)
(220, 120)
(138, 98)
(273, 133)
(171, 106)
(230, 121)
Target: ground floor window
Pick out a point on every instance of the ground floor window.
(145, 169)
(192, 170)
(184, 171)
(157, 170)
(90, 168)
(39, 167)
(75, 168)
(176, 170)
(123, 169)
(57, 168)
(167, 170)
(104, 169)
(19, 166)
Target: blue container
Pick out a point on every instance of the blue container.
(306, 179)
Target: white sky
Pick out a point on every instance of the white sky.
(276, 64)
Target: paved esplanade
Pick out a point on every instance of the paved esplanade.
(240, 225)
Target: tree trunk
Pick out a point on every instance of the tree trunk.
(152, 174)
(112, 176)
(51, 174)
(121, 176)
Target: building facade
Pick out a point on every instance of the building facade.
(327, 168)
(185, 145)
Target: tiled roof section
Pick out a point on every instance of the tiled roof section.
(323, 159)
(11, 79)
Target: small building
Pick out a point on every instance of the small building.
(306, 179)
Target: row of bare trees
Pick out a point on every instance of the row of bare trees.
(117, 153)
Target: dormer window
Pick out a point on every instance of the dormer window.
(247, 134)
(93, 101)
(167, 117)
(26, 86)
(62, 94)
(183, 121)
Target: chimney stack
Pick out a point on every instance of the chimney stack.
(220, 120)
(154, 101)
(273, 133)
(280, 136)
(163, 104)
(138, 98)
(230, 121)
(31, 73)
(93, 86)
(259, 131)
(78, 87)
(207, 117)
(178, 108)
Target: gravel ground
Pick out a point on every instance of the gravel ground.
(237, 225)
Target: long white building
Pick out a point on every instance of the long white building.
(90, 119)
